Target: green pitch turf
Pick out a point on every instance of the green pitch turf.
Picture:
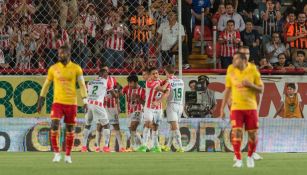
(149, 163)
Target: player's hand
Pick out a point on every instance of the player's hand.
(247, 83)
(85, 108)
(40, 104)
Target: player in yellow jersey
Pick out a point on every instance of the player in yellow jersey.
(243, 83)
(64, 75)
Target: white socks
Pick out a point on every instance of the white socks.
(86, 133)
(155, 138)
(145, 136)
(106, 136)
(118, 138)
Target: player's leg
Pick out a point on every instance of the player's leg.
(87, 127)
(148, 117)
(106, 136)
(118, 137)
(133, 137)
(251, 126)
(176, 135)
(55, 133)
(155, 127)
(98, 137)
(237, 135)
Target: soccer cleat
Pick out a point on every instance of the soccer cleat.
(57, 158)
(84, 149)
(165, 148)
(256, 156)
(156, 149)
(106, 149)
(122, 150)
(142, 149)
(238, 164)
(97, 149)
(250, 162)
(129, 150)
(67, 159)
(180, 150)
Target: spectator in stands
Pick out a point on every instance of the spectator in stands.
(55, 37)
(230, 40)
(79, 43)
(161, 14)
(168, 36)
(291, 103)
(231, 15)
(264, 64)
(3, 8)
(251, 38)
(290, 20)
(297, 35)
(269, 21)
(274, 48)
(142, 25)
(23, 9)
(115, 33)
(25, 51)
(66, 7)
(221, 11)
(6, 34)
(246, 9)
(25, 27)
(3, 63)
(282, 63)
(301, 60)
(197, 6)
(192, 85)
(91, 22)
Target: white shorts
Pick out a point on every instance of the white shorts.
(134, 117)
(112, 115)
(174, 112)
(97, 114)
(153, 115)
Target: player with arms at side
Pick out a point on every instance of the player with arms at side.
(64, 75)
(152, 110)
(97, 89)
(174, 107)
(112, 107)
(135, 97)
(243, 83)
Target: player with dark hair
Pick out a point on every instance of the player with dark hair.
(243, 84)
(63, 74)
(135, 98)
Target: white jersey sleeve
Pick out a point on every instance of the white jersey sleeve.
(97, 89)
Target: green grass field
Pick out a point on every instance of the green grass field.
(35, 163)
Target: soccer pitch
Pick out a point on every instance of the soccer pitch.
(36, 163)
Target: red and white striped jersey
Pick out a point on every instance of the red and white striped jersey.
(30, 31)
(5, 34)
(116, 40)
(51, 40)
(91, 24)
(109, 101)
(80, 34)
(229, 47)
(152, 95)
(133, 104)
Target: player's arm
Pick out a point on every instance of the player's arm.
(257, 85)
(43, 93)
(226, 98)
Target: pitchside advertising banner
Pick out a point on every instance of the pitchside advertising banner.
(22, 129)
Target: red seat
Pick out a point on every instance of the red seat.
(209, 49)
(207, 33)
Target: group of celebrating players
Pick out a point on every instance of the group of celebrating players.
(101, 103)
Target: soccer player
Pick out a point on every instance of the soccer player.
(243, 83)
(174, 107)
(63, 74)
(97, 89)
(112, 107)
(245, 50)
(135, 97)
(152, 110)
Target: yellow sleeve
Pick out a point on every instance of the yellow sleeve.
(257, 75)
(228, 79)
(47, 82)
(81, 82)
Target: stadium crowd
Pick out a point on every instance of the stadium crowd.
(136, 33)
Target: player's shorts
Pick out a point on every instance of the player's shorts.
(249, 118)
(153, 115)
(97, 114)
(134, 117)
(112, 115)
(174, 112)
(69, 112)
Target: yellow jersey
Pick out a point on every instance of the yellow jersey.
(243, 98)
(64, 82)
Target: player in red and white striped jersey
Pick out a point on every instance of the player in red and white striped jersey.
(230, 40)
(135, 98)
(153, 110)
(112, 107)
